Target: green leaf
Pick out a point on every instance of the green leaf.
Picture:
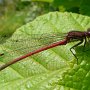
(53, 69)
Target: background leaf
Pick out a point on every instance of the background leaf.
(84, 7)
(68, 3)
(54, 69)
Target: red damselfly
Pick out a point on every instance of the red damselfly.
(50, 42)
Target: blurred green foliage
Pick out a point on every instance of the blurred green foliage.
(76, 6)
(15, 13)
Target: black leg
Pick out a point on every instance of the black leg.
(74, 47)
